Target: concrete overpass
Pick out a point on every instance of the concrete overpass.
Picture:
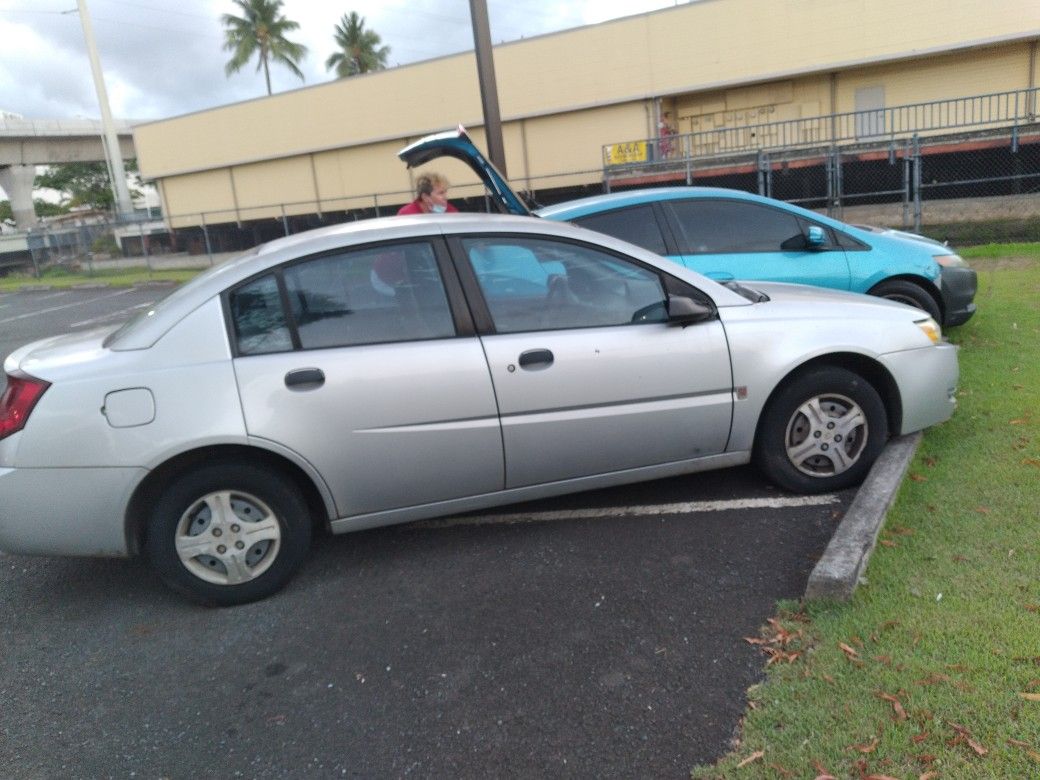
(26, 143)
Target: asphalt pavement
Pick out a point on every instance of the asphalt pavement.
(599, 634)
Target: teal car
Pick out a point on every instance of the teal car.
(732, 235)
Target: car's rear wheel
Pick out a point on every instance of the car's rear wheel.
(822, 431)
(228, 534)
(909, 293)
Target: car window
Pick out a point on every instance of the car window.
(636, 224)
(720, 226)
(258, 318)
(539, 284)
(368, 296)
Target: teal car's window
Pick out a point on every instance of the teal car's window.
(725, 226)
(636, 224)
(537, 284)
(368, 296)
(258, 319)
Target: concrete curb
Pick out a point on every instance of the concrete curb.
(838, 571)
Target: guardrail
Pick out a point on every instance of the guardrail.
(997, 110)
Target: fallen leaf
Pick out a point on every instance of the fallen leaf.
(963, 735)
(827, 679)
(899, 530)
(1030, 696)
(933, 679)
(867, 748)
(1031, 462)
(886, 660)
(897, 707)
(879, 777)
(917, 739)
(1032, 607)
(926, 758)
(888, 543)
(918, 477)
(1019, 421)
(783, 771)
(930, 461)
(982, 510)
(928, 776)
(1018, 743)
(960, 558)
(753, 641)
(848, 650)
(753, 757)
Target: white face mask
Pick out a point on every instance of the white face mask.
(437, 208)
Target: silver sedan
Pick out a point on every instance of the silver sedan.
(404, 368)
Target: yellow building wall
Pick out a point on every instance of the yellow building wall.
(713, 64)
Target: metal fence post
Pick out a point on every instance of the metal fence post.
(828, 168)
(375, 201)
(144, 247)
(917, 183)
(285, 222)
(687, 151)
(205, 235)
(839, 185)
(762, 189)
(906, 185)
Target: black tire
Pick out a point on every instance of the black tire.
(903, 291)
(242, 532)
(822, 431)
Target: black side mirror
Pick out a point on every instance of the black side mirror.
(683, 310)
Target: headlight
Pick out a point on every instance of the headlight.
(950, 261)
(930, 328)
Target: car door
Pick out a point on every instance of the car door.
(355, 361)
(589, 377)
(734, 239)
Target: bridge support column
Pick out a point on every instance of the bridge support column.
(17, 182)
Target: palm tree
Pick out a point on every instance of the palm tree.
(359, 49)
(261, 30)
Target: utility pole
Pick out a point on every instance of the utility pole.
(488, 89)
(113, 154)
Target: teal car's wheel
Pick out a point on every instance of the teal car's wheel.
(903, 291)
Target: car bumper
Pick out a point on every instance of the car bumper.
(65, 511)
(927, 381)
(958, 287)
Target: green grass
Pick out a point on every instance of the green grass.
(120, 277)
(1006, 251)
(948, 622)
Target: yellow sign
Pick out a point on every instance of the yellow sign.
(630, 152)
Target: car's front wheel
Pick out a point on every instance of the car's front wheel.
(228, 534)
(822, 431)
(903, 291)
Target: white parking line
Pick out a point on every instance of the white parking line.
(653, 510)
(65, 306)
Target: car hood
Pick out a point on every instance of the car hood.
(457, 143)
(853, 305)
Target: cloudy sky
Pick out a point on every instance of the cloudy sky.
(163, 58)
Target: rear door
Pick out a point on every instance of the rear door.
(356, 361)
(589, 377)
(734, 239)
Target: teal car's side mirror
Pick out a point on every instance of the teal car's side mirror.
(815, 238)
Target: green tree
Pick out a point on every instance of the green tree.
(359, 49)
(261, 31)
(82, 184)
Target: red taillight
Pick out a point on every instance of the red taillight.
(19, 398)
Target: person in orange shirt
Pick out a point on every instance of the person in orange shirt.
(431, 196)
